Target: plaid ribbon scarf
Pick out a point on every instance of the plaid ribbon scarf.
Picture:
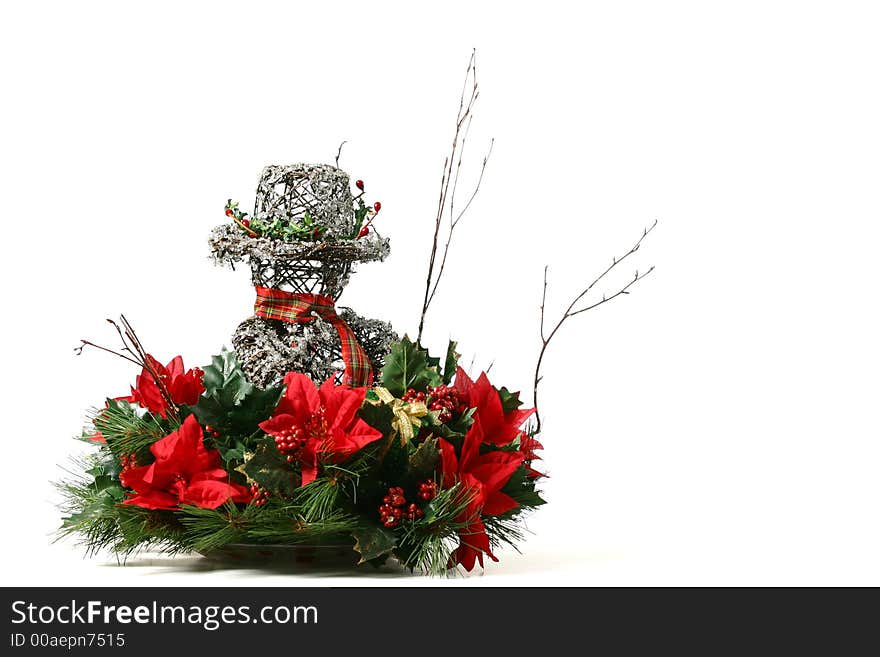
(298, 308)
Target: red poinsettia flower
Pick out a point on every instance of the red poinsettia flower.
(482, 476)
(527, 447)
(312, 424)
(183, 387)
(499, 428)
(184, 472)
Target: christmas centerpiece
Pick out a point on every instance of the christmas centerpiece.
(320, 428)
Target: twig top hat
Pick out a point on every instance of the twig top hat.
(305, 233)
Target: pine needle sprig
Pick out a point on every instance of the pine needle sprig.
(286, 526)
(206, 530)
(318, 499)
(147, 528)
(127, 431)
(426, 544)
(504, 530)
(88, 499)
(209, 529)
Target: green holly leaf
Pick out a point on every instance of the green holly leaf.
(409, 366)
(233, 454)
(433, 363)
(231, 403)
(255, 407)
(510, 401)
(105, 464)
(451, 363)
(272, 471)
(424, 461)
(394, 462)
(457, 428)
(109, 486)
(108, 494)
(209, 411)
(373, 542)
(225, 379)
(521, 488)
(378, 417)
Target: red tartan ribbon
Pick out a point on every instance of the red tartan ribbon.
(298, 308)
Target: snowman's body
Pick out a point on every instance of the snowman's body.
(269, 348)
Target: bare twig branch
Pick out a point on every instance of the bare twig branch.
(85, 343)
(339, 152)
(544, 302)
(454, 222)
(133, 351)
(571, 311)
(449, 186)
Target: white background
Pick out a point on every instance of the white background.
(717, 426)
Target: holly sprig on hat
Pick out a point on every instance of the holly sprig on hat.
(302, 230)
(363, 214)
(305, 229)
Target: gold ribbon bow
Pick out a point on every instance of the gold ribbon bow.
(407, 415)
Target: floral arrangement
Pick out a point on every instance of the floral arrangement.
(401, 453)
(428, 465)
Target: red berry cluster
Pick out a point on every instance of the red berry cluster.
(239, 217)
(394, 508)
(290, 441)
(128, 461)
(211, 431)
(445, 400)
(376, 207)
(259, 496)
(411, 396)
(428, 490)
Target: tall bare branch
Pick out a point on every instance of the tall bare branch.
(449, 186)
(571, 310)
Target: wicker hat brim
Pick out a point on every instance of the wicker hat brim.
(229, 243)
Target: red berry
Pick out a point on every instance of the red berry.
(228, 212)
(428, 490)
(389, 516)
(377, 206)
(246, 223)
(364, 232)
(359, 184)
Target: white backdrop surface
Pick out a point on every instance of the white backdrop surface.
(717, 426)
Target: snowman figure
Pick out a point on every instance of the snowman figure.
(305, 235)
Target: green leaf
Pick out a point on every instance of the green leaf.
(521, 488)
(233, 454)
(455, 429)
(256, 406)
(210, 411)
(424, 461)
(373, 542)
(225, 380)
(408, 366)
(231, 403)
(272, 471)
(510, 401)
(451, 363)
(395, 462)
(105, 465)
(378, 417)
(108, 493)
